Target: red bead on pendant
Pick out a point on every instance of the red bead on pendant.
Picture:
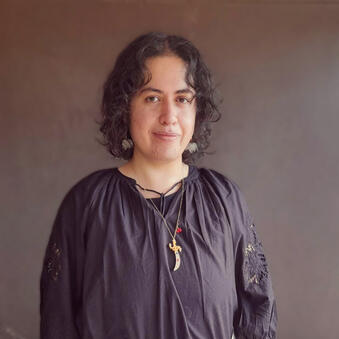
(179, 230)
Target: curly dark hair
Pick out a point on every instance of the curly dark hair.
(129, 75)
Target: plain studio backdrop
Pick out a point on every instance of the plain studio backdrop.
(276, 64)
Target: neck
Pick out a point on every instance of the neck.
(157, 176)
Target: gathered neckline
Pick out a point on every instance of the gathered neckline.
(168, 196)
(192, 174)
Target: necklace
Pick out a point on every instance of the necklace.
(173, 246)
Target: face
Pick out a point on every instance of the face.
(162, 114)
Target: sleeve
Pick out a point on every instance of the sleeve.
(60, 280)
(256, 316)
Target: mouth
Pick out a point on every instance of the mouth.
(166, 136)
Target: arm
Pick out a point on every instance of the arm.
(256, 317)
(60, 281)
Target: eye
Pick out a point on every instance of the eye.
(184, 100)
(152, 99)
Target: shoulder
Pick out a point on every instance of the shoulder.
(218, 180)
(85, 189)
(94, 180)
(228, 191)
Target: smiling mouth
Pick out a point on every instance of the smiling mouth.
(166, 136)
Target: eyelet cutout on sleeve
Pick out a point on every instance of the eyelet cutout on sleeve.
(53, 262)
(255, 264)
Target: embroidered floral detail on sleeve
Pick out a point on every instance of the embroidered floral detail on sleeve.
(255, 260)
(53, 262)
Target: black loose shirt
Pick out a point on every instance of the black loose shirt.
(108, 270)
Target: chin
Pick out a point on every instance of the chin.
(166, 156)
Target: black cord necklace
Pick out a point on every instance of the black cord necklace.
(173, 246)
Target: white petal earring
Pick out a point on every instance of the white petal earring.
(191, 147)
(127, 143)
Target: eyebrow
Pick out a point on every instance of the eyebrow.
(179, 91)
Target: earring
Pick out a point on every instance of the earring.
(127, 143)
(192, 147)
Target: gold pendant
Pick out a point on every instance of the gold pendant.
(175, 248)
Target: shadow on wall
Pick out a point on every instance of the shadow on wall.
(7, 332)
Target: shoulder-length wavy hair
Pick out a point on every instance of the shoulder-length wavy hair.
(130, 74)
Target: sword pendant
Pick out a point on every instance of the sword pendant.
(175, 248)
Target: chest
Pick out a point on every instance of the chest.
(130, 254)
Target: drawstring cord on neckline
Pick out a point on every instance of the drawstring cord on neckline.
(161, 194)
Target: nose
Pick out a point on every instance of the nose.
(168, 114)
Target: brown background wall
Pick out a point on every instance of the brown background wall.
(277, 67)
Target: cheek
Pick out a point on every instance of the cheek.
(136, 118)
(189, 123)
(135, 122)
(140, 123)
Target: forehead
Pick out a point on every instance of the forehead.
(166, 70)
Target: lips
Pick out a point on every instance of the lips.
(166, 135)
(169, 134)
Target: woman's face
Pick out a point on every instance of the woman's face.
(162, 114)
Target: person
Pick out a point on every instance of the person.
(157, 248)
